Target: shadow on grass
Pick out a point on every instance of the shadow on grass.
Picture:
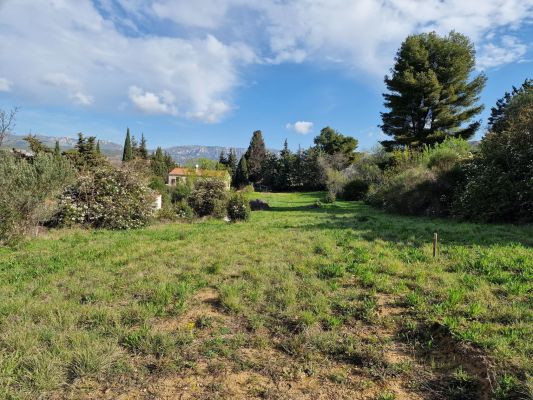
(372, 224)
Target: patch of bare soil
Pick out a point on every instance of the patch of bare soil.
(252, 371)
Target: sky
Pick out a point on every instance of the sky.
(210, 72)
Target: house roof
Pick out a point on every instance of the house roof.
(198, 172)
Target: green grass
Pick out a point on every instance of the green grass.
(88, 305)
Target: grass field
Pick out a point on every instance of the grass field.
(341, 301)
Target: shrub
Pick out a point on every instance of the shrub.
(499, 181)
(355, 189)
(331, 197)
(238, 208)
(29, 188)
(183, 210)
(208, 197)
(180, 192)
(107, 198)
(423, 183)
(259, 205)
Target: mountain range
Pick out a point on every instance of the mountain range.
(180, 154)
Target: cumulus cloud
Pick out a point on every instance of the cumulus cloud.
(493, 55)
(93, 53)
(5, 85)
(151, 103)
(72, 48)
(301, 127)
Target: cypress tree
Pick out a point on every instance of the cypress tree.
(430, 95)
(57, 150)
(158, 164)
(241, 175)
(143, 151)
(128, 150)
(98, 151)
(222, 158)
(232, 162)
(255, 156)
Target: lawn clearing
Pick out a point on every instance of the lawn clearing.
(339, 301)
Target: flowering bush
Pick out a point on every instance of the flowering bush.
(238, 207)
(107, 198)
(208, 197)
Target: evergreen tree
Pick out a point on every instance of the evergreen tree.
(143, 151)
(334, 143)
(285, 168)
(430, 96)
(241, 175)
(134, 147)
(98, 151)
(222, 158)
(128, 150)
(86, 155)
(498, 114)
(36, 146)
(57, 150)
(255, 156)
(158, 164)
(232, 162)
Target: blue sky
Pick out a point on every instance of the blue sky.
(212, 71)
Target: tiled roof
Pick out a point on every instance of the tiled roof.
(197, 172)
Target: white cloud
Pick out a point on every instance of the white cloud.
(72, 48)
(151, 103)
(492, 55)
(5, 85)
(301, 127)
(192, 64)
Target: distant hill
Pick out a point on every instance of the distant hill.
(180, 154)
(110, 149)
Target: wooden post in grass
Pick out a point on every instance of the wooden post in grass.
(435, 244)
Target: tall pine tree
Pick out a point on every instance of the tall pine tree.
(127, 155)
(430, 95)
(241, 178)
(255, 156)
(232, 162)
(143, 151)
(498, 114)
(98, 151)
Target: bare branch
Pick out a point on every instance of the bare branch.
(7, 122)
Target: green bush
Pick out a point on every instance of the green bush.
(425, 183)
(208, 197)
(238, 207)
(356, 189)
(183, 210)
(108, 198)
(180, 192)
(28, 191)
(499, 181)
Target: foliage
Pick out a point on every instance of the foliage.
(355, 189)
(499, 183)
(142, 151)
(208, 197)
(127, 154)
(332, 142)
(29, 188)
(430, 96)
(241, 177)
(85, 155)
(423, 182)
(238, 207)
(36, 146)
(498, 114)
(7, 122)
(255, 156)
(161, 163)
(107, 198)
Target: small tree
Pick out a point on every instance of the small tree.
(57, 150)
(36, 146)
(127, 155)
(255, 156)
(241, 178)
(208, 197)
(430, 95)
(7, 122)
(143, 151)
(232, 162)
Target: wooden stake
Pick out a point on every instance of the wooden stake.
(435, 244)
